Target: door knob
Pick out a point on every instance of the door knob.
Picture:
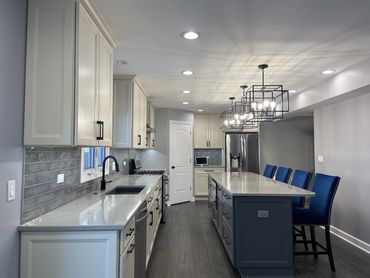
(173, 167)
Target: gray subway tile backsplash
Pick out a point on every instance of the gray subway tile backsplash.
(214, 155)
(42, 193)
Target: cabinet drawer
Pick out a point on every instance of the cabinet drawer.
(127, 234)
(227, 198)
(228, 240)
(228, 215)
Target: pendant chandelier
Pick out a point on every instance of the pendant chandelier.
(259, 103)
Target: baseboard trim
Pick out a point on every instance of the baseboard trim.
(350, 239)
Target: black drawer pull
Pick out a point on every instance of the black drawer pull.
(130, 232)
(132, 247)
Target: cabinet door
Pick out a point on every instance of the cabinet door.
(201, 184)
(215, 132)
(87, 80)
(201, 131)
(106, 90)
(122, 109)
(75, 254)
(143, 122)
(137, 136)
(49, 87)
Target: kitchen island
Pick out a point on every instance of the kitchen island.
(253, 217)
(95, 236)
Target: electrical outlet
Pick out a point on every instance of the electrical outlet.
(11, 190)
(60, 178)
(320, 158)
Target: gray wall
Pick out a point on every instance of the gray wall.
(342, 136)
(288, 143)
(12, 67)
(159, 158)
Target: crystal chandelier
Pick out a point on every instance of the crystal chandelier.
(259, 103)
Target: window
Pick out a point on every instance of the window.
(92, 162)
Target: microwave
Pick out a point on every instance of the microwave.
(201, 161)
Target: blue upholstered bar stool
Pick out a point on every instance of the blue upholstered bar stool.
(318, 214)
(283, 174)
(269, 171)
(302, 180)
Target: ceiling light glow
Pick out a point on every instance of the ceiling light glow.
(187, 72)
(326, 72)
(190, 35)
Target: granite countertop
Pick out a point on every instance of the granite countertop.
(251, 184)
(96, 211)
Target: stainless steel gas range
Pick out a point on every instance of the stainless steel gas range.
(165, 188)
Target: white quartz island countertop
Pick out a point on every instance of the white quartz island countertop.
(96, 211)
(251, 184)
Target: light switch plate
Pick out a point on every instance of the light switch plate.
(11, 190)
(60, 178)
(320, 158)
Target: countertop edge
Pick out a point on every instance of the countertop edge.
(311, 194)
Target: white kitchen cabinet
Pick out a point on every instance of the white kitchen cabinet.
(154, 218)
(129, 114)
(201, 180)
(151, 123)
(68, 75)
(92, 254)
(207, 132)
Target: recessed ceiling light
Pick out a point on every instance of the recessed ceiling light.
(200, 110)
(328, 72)
(185, 102)
(292, 91)
(187, 72)
(122, 62)
(186, 92)
(190, 35)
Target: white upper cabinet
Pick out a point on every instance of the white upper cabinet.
(129, 114)
(68, 75)
(151, 123)
(207, 132)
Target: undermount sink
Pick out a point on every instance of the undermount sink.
(125, 190)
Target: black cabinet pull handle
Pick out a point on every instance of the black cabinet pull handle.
(99, 137)
(102, 130)
(132, 247)
(139, 140)
(130, 232)
(151, 219)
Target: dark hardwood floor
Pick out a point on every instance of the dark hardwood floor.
(188, 246)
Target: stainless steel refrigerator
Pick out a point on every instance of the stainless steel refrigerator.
(241, 152)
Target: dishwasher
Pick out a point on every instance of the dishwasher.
(140, 240)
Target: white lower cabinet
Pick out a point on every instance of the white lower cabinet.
(69, 254)
(154, 219)
(201, 180)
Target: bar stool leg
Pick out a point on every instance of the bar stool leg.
(328, 246)
(303, 231)
(313, 239)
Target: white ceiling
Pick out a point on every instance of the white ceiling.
(297, 38)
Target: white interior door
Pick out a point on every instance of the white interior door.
(181, 162)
